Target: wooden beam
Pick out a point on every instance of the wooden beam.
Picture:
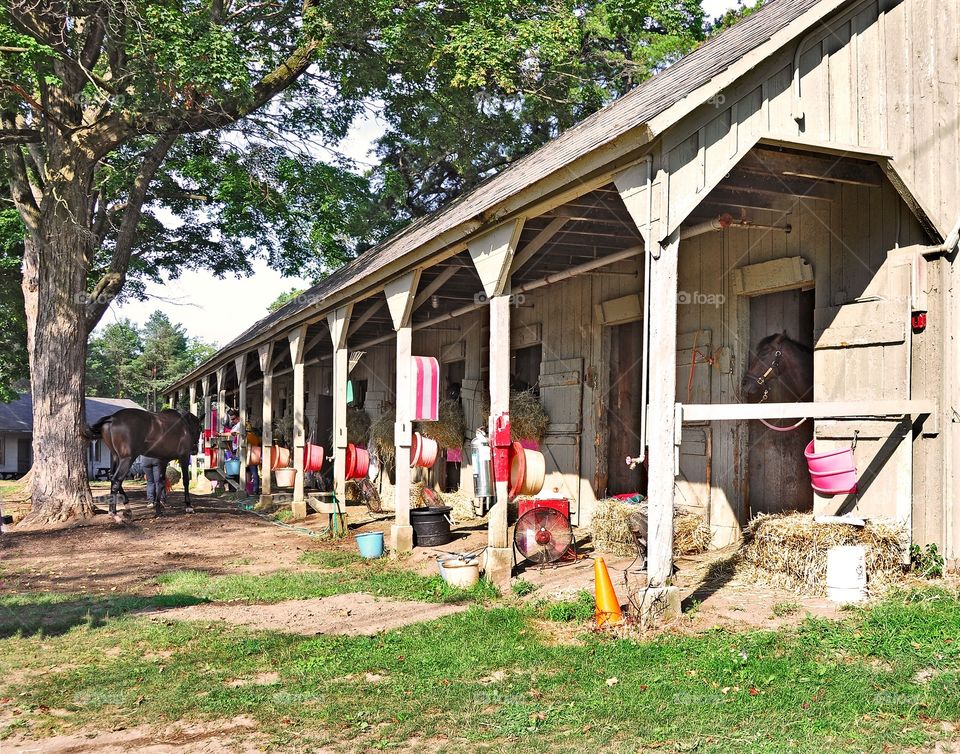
(499, 405)
(265, 355)
(400, 295)
(661, 415)
(339, 324)
(360, 321)
(538, 242)
(433, 286)
(699, 412)
(492, 255)
(401, 533)
(240, 365)
(297, 339)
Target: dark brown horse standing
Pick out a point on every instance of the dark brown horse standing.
(167, 435)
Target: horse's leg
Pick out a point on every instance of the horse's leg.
(160, 485)
(116, 485)
(185, 473)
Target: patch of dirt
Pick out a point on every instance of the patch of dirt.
(355, 614)
(236, 736)
(99, 556)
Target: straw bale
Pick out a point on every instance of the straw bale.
(789, 551)
(611, 521)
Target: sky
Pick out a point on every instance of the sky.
(216, 310)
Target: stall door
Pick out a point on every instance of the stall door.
(778, 472)
(623, 409)
(561, 392)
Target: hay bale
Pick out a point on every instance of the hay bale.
(528, 419)
(381, 437)
(789, 551)
(450, 427)
(611, 525)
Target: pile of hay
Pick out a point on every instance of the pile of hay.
(381, 437)
(450, 427)
(610, 526)
(528, 419)
(789, 551)
(173, 475)
(358, 426)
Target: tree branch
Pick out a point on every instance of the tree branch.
(20, 136)
(112, 281)
(184, 122)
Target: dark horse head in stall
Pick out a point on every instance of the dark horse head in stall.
(781, 371)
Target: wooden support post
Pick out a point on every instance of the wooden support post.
(339, 325)
(265, 354)
(400, 295)
(221, 399)
(497, 535)
(493, 255)
(240, 365)
(207, 409)
(662, 415)
(194, 408)
(297, 340)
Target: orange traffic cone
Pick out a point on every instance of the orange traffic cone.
(608, 606)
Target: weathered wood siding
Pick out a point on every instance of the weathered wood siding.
(881, 76)
(846, 242)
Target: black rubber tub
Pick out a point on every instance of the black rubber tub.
(431, 526)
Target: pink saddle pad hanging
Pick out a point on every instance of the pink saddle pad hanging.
(426, 388)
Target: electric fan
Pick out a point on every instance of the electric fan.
(543, 535)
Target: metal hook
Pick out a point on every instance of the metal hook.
(853, 445)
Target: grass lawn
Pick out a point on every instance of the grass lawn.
(494, 677)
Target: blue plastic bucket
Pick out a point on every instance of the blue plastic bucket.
(370, 544)
(232, 467)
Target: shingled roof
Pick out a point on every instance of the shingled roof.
(637, 107)
(17, 416)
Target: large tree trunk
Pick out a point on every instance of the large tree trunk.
(54, 285)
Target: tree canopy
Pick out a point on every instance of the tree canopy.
(127, 361)
(141, 139)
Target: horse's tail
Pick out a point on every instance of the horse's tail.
(95, 431)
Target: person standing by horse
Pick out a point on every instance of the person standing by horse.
(155, 470)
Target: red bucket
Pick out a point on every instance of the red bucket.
(358, 462)
(279, 457)
(312, 458)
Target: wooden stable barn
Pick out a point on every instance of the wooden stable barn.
(797, 174)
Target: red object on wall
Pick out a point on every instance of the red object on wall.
(919, 321)
(559, 504)
(501, 448)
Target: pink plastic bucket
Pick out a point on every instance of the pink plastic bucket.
(312, 458)
(832, 472)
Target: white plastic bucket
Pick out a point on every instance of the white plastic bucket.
(461, 573)
(846, 573)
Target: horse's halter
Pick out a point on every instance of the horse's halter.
(763, 378)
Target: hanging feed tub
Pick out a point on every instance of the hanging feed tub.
(832, 472)
(279, 457)
(423, 451)
(285, 477)
(527, 471)
(312, 457)
(358, 462)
